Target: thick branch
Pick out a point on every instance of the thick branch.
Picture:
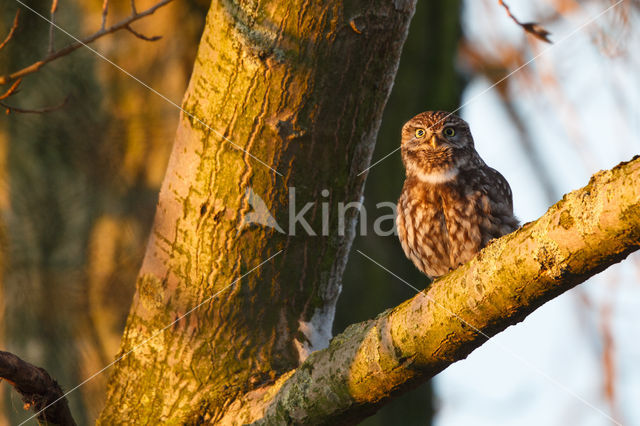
(583, 234)
(37, 388)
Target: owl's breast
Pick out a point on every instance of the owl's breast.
(441, 226)
(463, 209)
(422, 230)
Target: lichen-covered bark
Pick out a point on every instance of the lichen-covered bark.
(587, 231)
(301, 86)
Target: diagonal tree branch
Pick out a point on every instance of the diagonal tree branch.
(587, 231)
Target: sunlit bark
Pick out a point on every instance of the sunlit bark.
(301, 86)
(581, 235)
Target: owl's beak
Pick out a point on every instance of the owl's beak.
(433, 141)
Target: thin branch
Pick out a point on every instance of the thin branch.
(8, 109)
(11, 31)
(371, 362)
(54, 8)
(133, 7)
(532, 28)
(12, 90)
(142, 36)
(30, 69)
(37, 388)
(105, 10)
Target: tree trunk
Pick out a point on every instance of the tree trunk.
(284, 102)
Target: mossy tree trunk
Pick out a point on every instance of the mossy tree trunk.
(301, 87)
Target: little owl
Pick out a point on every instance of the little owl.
(452, 204)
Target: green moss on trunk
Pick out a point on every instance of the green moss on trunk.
(293, 84)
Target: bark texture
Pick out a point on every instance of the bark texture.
(301, 86)
(581, 235)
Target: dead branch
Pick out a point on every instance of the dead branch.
(532, 28)
(122, 25)
(37, 388)
(14, 26)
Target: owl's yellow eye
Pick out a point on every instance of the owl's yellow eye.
(449, 132)
(420, 133)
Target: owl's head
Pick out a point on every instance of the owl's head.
(436, 142)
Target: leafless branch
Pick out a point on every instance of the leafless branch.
(609, 352)
(133, 7)
(12, 90)
(11, 31)
(35, 66)
(532, 28)
(142, 36)
(54, 8)
(105, 9)
(37, 388)
(8, 109)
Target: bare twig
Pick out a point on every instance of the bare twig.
(37, 388)
(11, 31)
(8, 109)
(532, 28)
(12, 90)
(105, 9)
(142, 36)
(133, 7)
(608, 359)
(30, 69)
(54, 8)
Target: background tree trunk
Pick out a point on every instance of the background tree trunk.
(79, 186)
(302, 87)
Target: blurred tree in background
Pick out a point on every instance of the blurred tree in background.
(80, 184)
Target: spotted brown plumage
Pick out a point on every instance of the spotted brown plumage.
(452, 204)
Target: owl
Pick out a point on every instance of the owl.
(452, 204)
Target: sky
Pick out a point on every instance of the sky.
(548, 370)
